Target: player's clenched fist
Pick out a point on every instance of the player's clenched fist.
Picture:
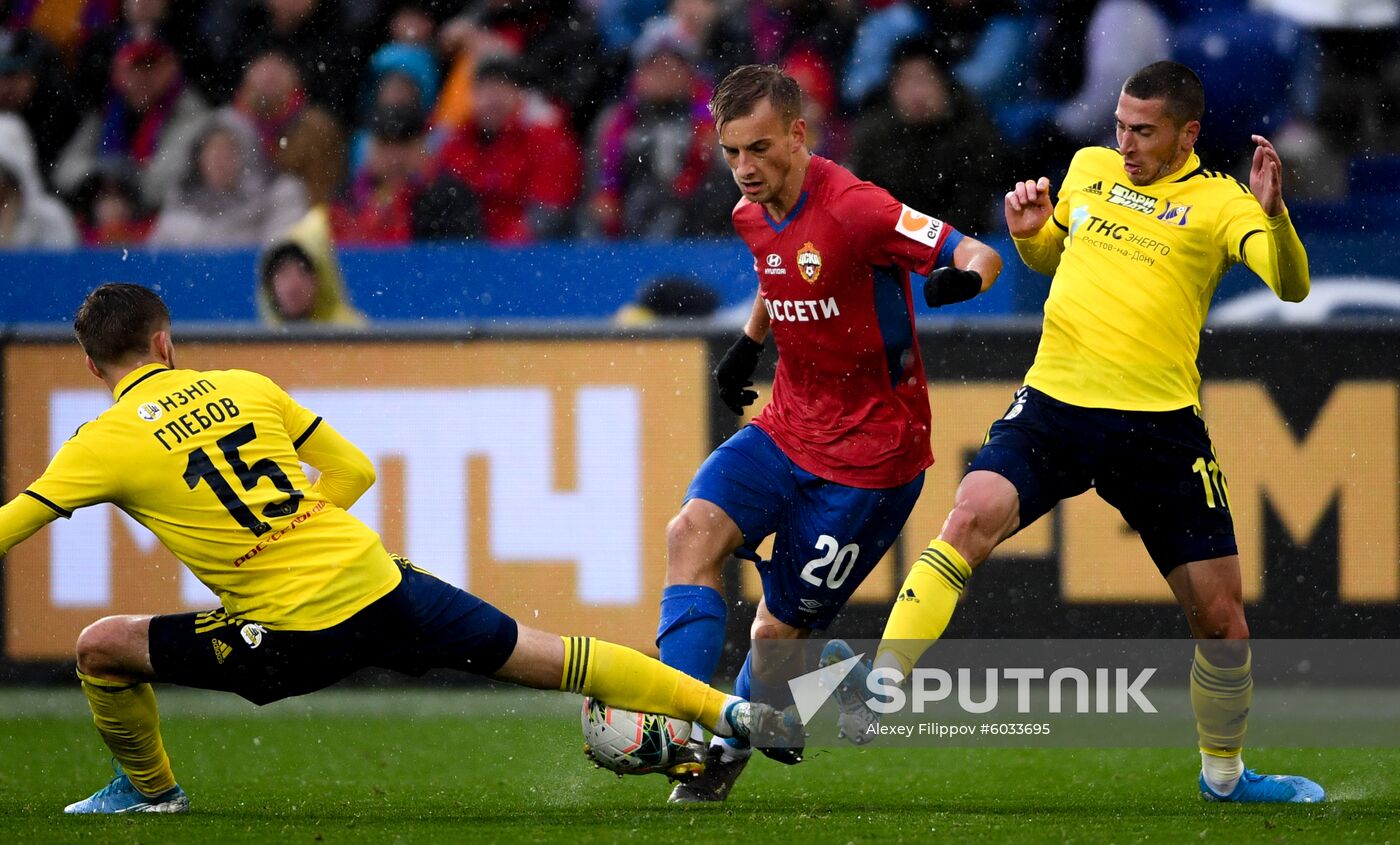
(1027, 207)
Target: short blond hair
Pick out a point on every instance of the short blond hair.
(745, 87)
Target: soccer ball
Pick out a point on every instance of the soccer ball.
(631, 743)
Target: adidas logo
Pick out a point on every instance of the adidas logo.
(1096, 189)
(221, 650)
(908, 595)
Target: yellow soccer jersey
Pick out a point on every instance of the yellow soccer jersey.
(1135, 268)
(210, 462)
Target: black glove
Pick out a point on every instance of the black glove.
(734, 375)
(947, 285)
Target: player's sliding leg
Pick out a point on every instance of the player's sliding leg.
(1222, 687)
(623, 678)
(114, 666)
(985, 513)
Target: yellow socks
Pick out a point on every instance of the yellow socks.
(127, 719)
(1220, 698)
(925, 605)
(628, 679)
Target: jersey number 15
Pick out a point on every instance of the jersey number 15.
(200, 468)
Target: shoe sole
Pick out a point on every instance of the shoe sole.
(163, 807)
(180, 805)
(686, 793)
(697, 799)
(686, 771)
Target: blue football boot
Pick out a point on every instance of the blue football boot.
(855, 722)
(121, 796)
(1255, 788)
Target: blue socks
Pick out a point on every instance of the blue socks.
(743, 682)
(691, 632)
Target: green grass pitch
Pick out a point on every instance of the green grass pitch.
(475, 765)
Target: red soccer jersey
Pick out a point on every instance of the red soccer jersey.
(850, 401)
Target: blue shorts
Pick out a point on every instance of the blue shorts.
(423, 623)
(1158, 468)
(828, 536)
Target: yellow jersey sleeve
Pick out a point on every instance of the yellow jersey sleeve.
(298, 422)
(346, 472)
(21, 517)
(1269, 246)
(75, 478)
(1240, 219)
(1041, 251)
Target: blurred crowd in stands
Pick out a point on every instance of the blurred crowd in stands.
(239, 123)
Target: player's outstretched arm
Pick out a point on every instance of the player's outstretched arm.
(1279, 259)
(1028, 210)
(346, 472)
(74, 479)
(975, 268)
(19, 519)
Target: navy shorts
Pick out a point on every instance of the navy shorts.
(423, 623)
(828, 536)
(1158, 468)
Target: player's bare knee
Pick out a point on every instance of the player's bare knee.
(682, 529)
(97, 645)
(772, 629)
(961, 524)
(696, 548)
(1230, 627)
(1222, 619)
(969, 531)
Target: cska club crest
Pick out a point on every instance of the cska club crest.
(809, 262)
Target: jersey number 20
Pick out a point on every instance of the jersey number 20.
(841, 559)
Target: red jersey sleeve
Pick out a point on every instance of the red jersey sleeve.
(889, 232)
